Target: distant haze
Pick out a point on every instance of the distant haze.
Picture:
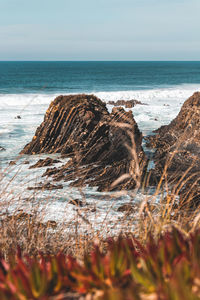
(100, 30)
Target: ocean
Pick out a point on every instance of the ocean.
(26, 90)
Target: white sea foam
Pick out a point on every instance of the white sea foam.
(153, 95)
(23, 100)
(180, 92)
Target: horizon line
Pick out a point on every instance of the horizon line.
(56, 60)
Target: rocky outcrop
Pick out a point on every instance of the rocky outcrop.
(102, 146)
(44, 163)
(128, 208)
(46, 186)
(177, 148)
(71, 123)
(126, 103)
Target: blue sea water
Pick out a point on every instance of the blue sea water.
(26, 90)
(74, 77)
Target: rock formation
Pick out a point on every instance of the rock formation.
(46, 186)
(126, 103)
(102, 146)
(69, 124)
(178, 148)
(44, 163)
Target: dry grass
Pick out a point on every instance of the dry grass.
(155, 214)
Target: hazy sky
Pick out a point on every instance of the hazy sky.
(100, 29)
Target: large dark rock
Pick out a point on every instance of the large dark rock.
(177, 147)
(71, 123)
(102, 146)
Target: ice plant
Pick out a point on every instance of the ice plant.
(166, 268)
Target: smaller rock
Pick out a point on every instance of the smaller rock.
(2, 148)
(51, 224)
(47, 186)
(44, 163)
(18, 117)
(126, 208)
(12, 163)
(126, 103)
(90, 209)
(76, 202)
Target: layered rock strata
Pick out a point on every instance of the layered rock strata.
(102, 146)
(177, 145)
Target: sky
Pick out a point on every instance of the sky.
(99, 30)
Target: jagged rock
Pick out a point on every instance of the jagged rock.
(126, 103)
(102, 146)
(44, 163)
(46, 186)
(2, 148)
(76, 202)
(129, 208)
(90, 209)
(178, 147)
(71, 124)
